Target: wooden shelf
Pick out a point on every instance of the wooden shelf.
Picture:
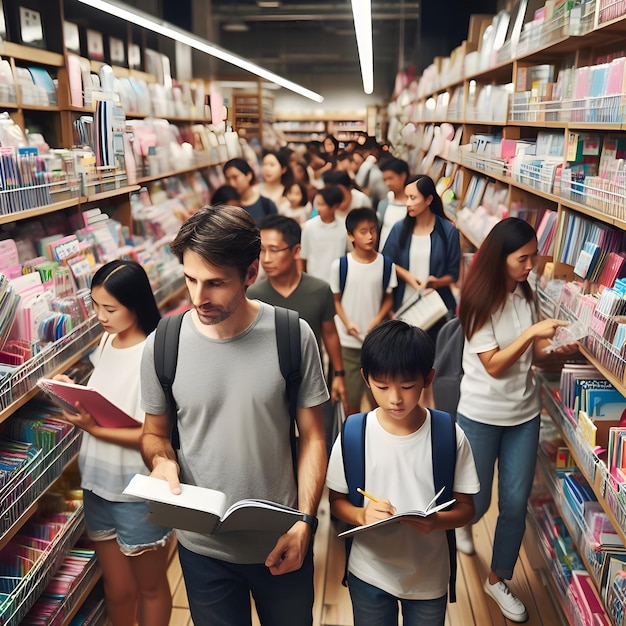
(42, 210)
(614, 380)
(112, 193)
(32, 55)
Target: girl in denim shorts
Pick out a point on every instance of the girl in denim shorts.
(131, 553)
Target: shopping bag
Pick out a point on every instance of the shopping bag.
(423, 310)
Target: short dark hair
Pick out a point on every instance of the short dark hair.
(224, 194)
(399, 166)
(356, 216)
(242, 165)
(333, 196)
(224, 236)
(128, 283)
(286, 226)
(395, 349)
(332, 177)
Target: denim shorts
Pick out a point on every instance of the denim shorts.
(124, 521)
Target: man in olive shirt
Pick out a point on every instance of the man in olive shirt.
(288, 286)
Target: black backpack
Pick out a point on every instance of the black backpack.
(448, 366)
(289, 358)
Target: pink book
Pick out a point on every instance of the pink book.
(616, 76)
(104, 412)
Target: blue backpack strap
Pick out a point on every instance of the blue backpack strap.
(165, 361)
(343, 273)
(387, 265)
(353, 452)
(443, 437)
(289, 359)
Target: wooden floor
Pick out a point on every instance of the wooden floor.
(332, 602)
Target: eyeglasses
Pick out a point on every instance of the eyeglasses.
(274, 251)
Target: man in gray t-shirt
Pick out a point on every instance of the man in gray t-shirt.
(234, 426)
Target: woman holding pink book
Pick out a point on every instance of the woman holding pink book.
(131, 553)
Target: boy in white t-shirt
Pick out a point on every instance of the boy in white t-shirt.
(365, 299)
(323, 237)
(405, 562)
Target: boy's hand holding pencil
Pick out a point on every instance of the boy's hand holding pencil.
(376, 508)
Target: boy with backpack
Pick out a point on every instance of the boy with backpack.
(402, 454)
(362, 283)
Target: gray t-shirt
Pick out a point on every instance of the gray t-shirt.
(312, 298)
(234, 422)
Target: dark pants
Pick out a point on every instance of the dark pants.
(219, 592)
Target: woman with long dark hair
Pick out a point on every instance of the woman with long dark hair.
(499, 405)
(425, 246)
(131, 553)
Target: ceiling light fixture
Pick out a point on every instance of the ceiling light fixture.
(178, 34)
(268, 4)
(235, 27)
(362, 14)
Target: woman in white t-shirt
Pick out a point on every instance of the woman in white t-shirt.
(499, 405)
(131, 553)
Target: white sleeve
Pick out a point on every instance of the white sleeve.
(483, 340)
(335, 477)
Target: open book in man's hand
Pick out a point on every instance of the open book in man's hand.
(204, 511)
(398, 517)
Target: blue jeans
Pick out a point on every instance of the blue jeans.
(372, 606)
(515, 448)
(219, 592)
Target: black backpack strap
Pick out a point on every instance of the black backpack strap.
(443, 438)
(353, 453)
(165, 361)
(290, 359)
(387, 265)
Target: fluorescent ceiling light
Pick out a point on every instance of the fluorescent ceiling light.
(235, 27)
(362, 14)
(268, 4)
(145, 20)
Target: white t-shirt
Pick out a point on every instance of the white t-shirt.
(396, 558)
(362, 295)
(419, 262)
(512, 398)
(321, 245)
(106, 468)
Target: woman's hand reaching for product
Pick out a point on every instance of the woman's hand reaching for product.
(545, 329)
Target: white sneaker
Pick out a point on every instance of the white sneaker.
(464, 539)
(512, 607)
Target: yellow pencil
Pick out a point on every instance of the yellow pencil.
(367, 495)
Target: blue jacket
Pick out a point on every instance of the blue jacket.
(445, 257)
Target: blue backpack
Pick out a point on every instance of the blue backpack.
(343, 272)
(443, 438)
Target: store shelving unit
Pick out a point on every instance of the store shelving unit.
(304, 127)
(18, 389)
(453, 101)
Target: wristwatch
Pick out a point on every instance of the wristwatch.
(340, 372)
(311, 520)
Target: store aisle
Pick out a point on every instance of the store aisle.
(473, 608)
